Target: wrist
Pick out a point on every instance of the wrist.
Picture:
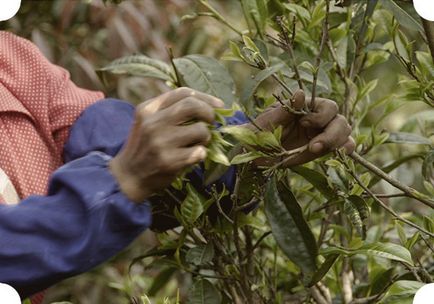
(129, 185)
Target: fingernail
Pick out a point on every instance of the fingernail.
(317, 147)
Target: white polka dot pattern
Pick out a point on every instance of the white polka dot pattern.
(38, 104)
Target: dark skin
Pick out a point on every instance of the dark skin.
(322, 130)
(161, 146)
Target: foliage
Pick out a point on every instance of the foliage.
(331, 231)
(327, 231)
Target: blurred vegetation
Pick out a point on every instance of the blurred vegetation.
(386, 100)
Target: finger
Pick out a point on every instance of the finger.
(277, 114)
(176, 160)
(170, 98)
(273, 117)
(350, 145)
(186, 136)
(325, 110)
(335, 135)
(298, 100)
(188, 109)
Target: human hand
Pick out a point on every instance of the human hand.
(169, 134)
(321, 131)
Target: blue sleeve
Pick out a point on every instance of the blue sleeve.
(84, 219)
(110, 121)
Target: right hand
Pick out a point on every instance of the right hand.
(160, 144)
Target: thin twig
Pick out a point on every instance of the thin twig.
(261, 238)
(413, 193)
(324, 39)
(382, 204)
(393, 195)
(219, 17)
(291, 154)
(286, 43)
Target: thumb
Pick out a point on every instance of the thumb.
(298, 100)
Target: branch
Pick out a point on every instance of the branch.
(410, 192)
(380, 202)
(324, 39)
(219, 17)
(429, 31)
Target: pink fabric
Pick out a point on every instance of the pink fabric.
(38, 104)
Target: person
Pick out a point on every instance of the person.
(86, 167)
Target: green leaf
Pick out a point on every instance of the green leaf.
(379, 279)
(289, 228)
(318, 15)
(192, 206)
(203, 292)
(250, 44)
(241, 134)
(407, 138)
(366, 89)
(200, 255)
(384, 250)
(216, 151)
(401, 233)
(252, 85)
(428, 223)
(207, 75)
(213, 171)
(160, 281)
(323, 269)
(217, 155)
(255, 13)
(267, 140)
(245, 158)
(402, 292)
(353, 215)
(318, 180)
(140, 65)
(235, 49)
(401, 15)
(412, 241)
(300, 11)
(425, 63)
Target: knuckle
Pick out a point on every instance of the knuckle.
(184, 91)
(191, 103)
(147, 128)
(142, 110)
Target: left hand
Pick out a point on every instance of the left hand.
(323, 129)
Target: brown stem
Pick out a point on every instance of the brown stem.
(324, 39)
(382, 204)
(410, 192)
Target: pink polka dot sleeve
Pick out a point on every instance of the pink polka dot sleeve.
(38, 104)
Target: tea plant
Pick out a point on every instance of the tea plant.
(336, 230)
